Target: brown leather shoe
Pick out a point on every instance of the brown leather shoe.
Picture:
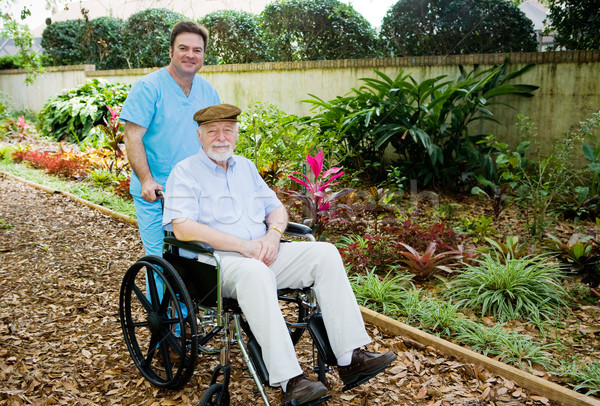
(364, 366)
(303, 390)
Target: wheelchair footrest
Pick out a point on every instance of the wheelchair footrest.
(322, 399)
(359, 381)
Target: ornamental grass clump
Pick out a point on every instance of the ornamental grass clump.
(509, 288)
(385, 294)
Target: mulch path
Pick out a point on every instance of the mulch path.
(61, 265)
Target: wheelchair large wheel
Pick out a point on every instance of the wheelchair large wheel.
(216, 395)
(299, 313)
(158, 322)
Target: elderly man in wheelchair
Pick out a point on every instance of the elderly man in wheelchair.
(219, 199)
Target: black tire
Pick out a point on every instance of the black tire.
(216, 395)
(158, 331)
(302, 315)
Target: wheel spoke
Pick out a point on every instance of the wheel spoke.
(154, 300)
(142, 298)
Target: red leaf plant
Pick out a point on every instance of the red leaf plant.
(322, 204)
(426, 265)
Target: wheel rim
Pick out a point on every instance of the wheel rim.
(153, 319)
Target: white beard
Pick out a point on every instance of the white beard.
(219, 156)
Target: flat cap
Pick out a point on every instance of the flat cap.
(218, 112)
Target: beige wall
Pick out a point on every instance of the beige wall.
(569, 85)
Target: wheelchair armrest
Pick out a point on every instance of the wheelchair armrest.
(299, 230)
(194, 246)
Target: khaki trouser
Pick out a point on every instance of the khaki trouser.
(299, 264)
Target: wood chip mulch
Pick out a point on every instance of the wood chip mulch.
(61, 266)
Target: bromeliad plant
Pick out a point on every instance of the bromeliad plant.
(321, 202)
(580, 255)
(426, 265)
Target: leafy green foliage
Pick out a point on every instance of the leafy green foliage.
(62, 40)
(368, 252)
(576, 23)
(427, 123)
(17, 62)
(580, 254)
(301, 30)
(71, 115)
(146, 37)
(268, 135)
(384, 294)
(510, 248)
(479, 228)
(509, 288)
(444, 27)
(10, 27)
(235, 37)
(539, 184)
(583, 199)
(4, 225)
(101, 41)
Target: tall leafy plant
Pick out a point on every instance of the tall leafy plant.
(427, 123)
(71, 115)
(321, 202)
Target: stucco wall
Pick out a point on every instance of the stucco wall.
(569, 84)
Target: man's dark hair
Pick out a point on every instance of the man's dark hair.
(188, 26)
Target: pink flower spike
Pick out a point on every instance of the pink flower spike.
(22, 122)
(113, 113)
(316, 163)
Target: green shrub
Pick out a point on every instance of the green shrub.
(62, 41)
(72, 114)
(235, 37)
(509, 288)
(101, 40)
(269, 135)
(146, 37)
(309, 30)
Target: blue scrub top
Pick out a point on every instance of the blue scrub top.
(158, 103)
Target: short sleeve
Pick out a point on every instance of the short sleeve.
(182, 193)
(140, 106)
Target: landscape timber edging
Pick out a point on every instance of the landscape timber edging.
(536, 385)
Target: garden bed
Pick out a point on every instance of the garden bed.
(62, 343)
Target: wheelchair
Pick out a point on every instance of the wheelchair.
(171, 311)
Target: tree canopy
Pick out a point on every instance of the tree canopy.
(442, 27)
(576, 22)
(301, 30)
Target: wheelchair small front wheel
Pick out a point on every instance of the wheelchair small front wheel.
(216, 395)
